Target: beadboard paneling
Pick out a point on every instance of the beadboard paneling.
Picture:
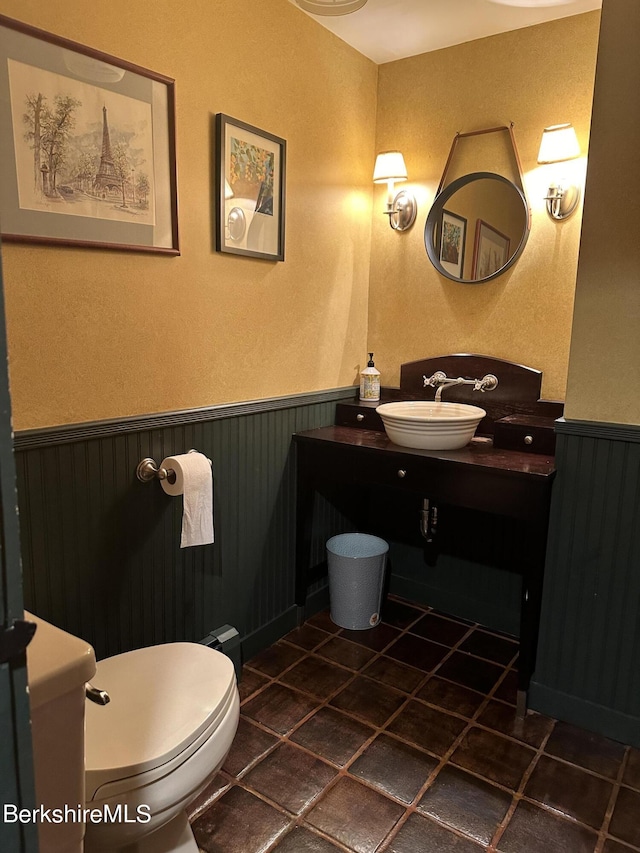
(101, 555)
(589, 653)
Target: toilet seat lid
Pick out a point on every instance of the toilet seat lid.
(162, 698)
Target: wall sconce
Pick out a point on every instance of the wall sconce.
(559, 143)
(401, 208)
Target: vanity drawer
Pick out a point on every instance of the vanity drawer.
(357, 465)
(359, 415)
(525, 433)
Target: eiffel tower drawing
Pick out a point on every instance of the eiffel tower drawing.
(106, 180)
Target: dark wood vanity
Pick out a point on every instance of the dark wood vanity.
(506, 470)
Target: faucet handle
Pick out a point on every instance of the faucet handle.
(487, 383)
(434, 381)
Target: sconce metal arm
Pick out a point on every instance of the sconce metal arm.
(562, 201)
(402, 212)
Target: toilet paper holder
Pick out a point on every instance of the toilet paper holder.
(148, 470)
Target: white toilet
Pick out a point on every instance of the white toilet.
(153, 748)
(170, 722)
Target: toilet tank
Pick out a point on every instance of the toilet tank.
(58, 666)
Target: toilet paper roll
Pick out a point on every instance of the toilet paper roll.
(194, 481)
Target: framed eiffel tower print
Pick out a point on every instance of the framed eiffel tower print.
(87, 146)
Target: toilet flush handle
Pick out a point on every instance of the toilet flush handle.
(100, 697)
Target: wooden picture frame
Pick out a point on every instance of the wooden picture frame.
(87, 146)
(249, 190)
(490, 251)
(453, 235)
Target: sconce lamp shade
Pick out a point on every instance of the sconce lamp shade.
(228, 192)
(533, 3)
(330, 7)
(389, 167)
(559, 142)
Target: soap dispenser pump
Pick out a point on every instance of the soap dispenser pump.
(370, 381)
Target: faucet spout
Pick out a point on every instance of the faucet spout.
(439, 381)
(448, 383)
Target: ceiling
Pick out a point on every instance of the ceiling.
(385, 30)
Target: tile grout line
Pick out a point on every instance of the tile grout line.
(323, 703)
(518, 793)
(444, 760)
(613, 799)
(343, 771)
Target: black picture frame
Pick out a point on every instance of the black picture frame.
(250, 172)
(453, 236)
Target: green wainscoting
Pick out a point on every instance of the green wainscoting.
(101, 555)
(101, 552)
(588, 669)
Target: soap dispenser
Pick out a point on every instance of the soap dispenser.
(370, 381)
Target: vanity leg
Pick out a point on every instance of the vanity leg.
(528, 635)
(521, 704)
(304, 519)
(530, 604)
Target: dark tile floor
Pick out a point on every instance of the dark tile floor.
(403, 739)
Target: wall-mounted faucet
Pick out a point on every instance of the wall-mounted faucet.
(439, 381)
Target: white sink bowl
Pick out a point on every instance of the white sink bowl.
(430, 426)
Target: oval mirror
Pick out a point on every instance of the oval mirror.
(477, 227)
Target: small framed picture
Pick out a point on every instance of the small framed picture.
(87, 146)
(490, 251)
(452, 242)
(250, 190)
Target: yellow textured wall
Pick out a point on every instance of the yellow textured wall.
(524, 315)
(604, 365)
(101, 334)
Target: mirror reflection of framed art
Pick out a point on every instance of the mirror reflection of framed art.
(490, 250)
(453, 232)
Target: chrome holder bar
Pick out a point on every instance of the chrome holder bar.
(147, 470)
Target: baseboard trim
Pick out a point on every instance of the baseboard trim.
(273, 631)
(456, 605)
(588, 715)
(268, 634)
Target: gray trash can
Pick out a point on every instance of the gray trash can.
(356, 577)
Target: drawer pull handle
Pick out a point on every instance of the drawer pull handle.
(528, 439)
(360, 417)
(402, 473)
